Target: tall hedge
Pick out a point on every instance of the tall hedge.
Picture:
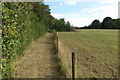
(21, 25)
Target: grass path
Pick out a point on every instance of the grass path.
(39, 60)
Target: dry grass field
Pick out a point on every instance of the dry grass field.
(96, 53)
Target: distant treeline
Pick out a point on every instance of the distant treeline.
(60, 25)
(107, 23)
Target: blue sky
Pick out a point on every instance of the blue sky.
(83, 12)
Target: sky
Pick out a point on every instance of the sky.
(82, 12)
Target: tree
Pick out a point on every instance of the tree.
(117, 23)
(106, 22)
(95, 24)
(110, 24)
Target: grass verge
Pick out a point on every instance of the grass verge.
(56, 56)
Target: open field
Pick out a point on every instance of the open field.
(96, 52)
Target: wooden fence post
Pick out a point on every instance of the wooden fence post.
(57, 43)
(73, 66)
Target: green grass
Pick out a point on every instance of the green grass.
(96, 51)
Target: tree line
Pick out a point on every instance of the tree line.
(107, 23)
(51, 22)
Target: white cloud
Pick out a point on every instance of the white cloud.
(109, 1)
(74, 19)
(101, 8)
(111, 10)
(73, 2)
(56, 15)
(61, 4)
(64, 1)
(80, 22)
(54, 0)
(69, 3)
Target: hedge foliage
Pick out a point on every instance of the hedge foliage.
(21, 25)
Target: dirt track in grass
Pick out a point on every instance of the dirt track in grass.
(40, 60)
